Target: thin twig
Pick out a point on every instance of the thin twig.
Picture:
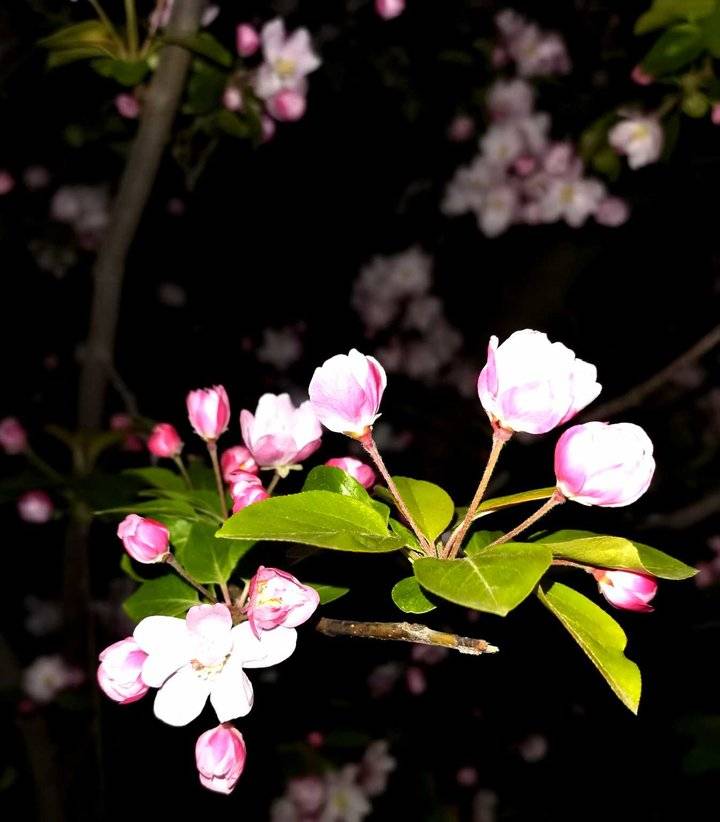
(556, 499)
(405, 632)
(212, 448)
(180, 571)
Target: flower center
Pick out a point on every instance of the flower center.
(285, 67)
(203, 671)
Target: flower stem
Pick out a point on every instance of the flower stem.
(368, 443)
(212, 448)
(175, 565)
(132, 28)
(556, 499)
(226, 594)
(273, 483)
(183, 471)
(500, 437)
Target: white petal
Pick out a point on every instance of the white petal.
(182, 697)
(158, 667)
(156, 634)
(231, 692)
(273, 646)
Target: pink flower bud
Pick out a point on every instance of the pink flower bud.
(625, 589)
(387, 9)
(601, 464)
(209, 411)
(612, 212)
(345, 392)
(127, 106)
(641, 77)
(358, 470)
(233, 98)
(237, 459)
(35, 507)
(13, 437)
(145, 539)
(277, 598)
(119, 674)
(246, 489)
(715, 114)
(267, 128)
(461, 128)
(220, 758)
(7, 182)
(247, 40)
(164, 441)
(287, 105)
(530, 384)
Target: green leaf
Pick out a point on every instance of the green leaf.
(603, 551)
(205, 45)
(87, 33)
(430, 506)
(328, 593)
(128, 568)
(409, 539)
(179, 531)
(56, 59)
(664, 12)
(157, 508)
(497, 503)
(320, 518)
(208, 558)
(602, 639)
(496, 580)
(409, 597)
(328, 478)
(205, 89)
(711, 33)
(204, 502)
(231, 124)
(158, 478)
(167, 596)
(480, 540)
(674, 49)
(126, 72)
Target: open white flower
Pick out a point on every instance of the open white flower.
(288, 59)
(204, 656)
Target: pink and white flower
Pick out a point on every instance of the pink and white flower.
(246, 489)
(288, 60)
(220, 755)
(287, 105)
(164, 441)
(626, 589)
(35, 507)
(358, 470)
(639, 138)
(47, 676)
(145, 539)
(237, 459)
(278, 599)
(13, 437)
(120, 671)
(388, 9)
(203, 656)
(247, 40)
(209, 411)
(508, 99)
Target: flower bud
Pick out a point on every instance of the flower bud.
(209, 411)
(530, 384)
(127, 106)
(640, 77)
(119, 674)
(387, 9)
(7, 182)
(277, 598)
(267, 128)
(345, 392)
(625, 589)
(247, 40)
(35, 507)
(612, 212)
(246, 489)
(601, 464)
(145, 539)
(164, 441)
(13, 437)
(358, 470)
(287, 105)
(220, 758)
(640, 138)
(233, 98)
(237, 459)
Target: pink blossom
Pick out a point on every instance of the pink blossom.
(145, 539)
(127, 106)
(639, 138)
(35, 507)
(247, 40)
(498, 210)
(388, 9)
(125, 422)
(119, 674)
(237, 458)
(573, 200)
(612, 212)
(346, 800)
(307, 793)
(220, 758)
(209, 411)
(233, 98)
(358, 470)
(415, 680)
(246, 489)
(277, 598)
(461, 128)
(164, 441)
(641, 77)
(507, 99)
(375, 768)
(13, 437)
(204, 656)
(287, 105)
(161, 16)
(627, 590)
(601, 464)
(530, 384)
(280, 435)
(267, 128)
(288, 60)
(47, 676)
(345, 393)
(7, 182)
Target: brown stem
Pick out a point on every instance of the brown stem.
(404, 632)
(175, 565)
(273, 483)
(500, 437)
(556, 499)
(368, 443)
(212, 448)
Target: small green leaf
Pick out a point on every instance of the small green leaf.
(497, 503)
(231, 124)
(158, 478)
(205, 45)
(496, 580)
(603, 551)
(64, 57)
(87, 33)
(602, 639)
(329, 478)
(328, 593)
(674, 49)
(126, 72)
(128, 568)
(480, 540)
(157, 508)
(166, 596)
(664, 12)
(320, 518)
(430, 506)
(208, 558)
(409, 597)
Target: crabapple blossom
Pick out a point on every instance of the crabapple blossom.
(277, 598)
(247, 40)
(279, 435)
(288, 60)
(246, 489)
(233, 98)
(601, 464)
(161, 16)
(641, 77)
(287, 105)
(508, 99)
(346, 800)
(127, 106)
(237, 458)
(375, 767)
(358, 470)
(47, 676)
(573, 200)
(164, 441)
(145, 539)
(119, 673)
(612, 211)
(209, 411)
(640, 138)
(388, 9)
(220, 758)
(125, 423)
(345, 393)
(35, 507)
(461, 128)
(530, 384)
(627, 590)
(13, 437)
(203, 656)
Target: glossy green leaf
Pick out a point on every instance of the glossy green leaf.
(328, 593)
(126, 72)
(320, 518)
(409, 539)
(480, 540)
(204, 502)
(158, 478)
(128, 568)
(430, 506)
(156, 508)
(208, 558)
(496, 580)
(498, 503)
(603, 551)
(328, 478)
(664, 12)
(674, 49)
(205, 45)
(179, 531)
(409, 597)
(167, 596)
(87, 33)
(602, 639)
